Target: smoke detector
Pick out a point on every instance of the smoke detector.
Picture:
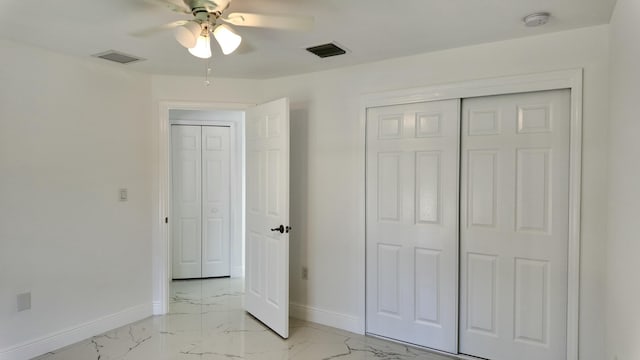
(536, 19)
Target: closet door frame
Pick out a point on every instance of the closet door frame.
(564, 79)
(236, 244)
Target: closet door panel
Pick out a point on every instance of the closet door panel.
(514, 226)
(216, 201)
(186, 177)
(412, 223)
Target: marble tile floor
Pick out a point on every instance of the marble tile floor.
(206, 321)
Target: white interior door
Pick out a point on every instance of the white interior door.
(514, 226)
(412, 223)
(186, 235)
(216, 209)
(267, 250)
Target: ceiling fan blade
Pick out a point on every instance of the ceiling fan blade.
(282, 22)
(244, 48)
(156, 29)
(173, 5)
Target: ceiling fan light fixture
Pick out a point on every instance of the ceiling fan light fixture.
(187, 34)
(227, 38)
(202, 49)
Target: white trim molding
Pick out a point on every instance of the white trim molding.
(76, 333)
(326, 317)
(157, 308)
(161, 242)
(563, 79)
(237, 271)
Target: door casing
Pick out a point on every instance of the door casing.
(564, 79)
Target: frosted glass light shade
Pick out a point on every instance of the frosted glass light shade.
(187, 34)
(227, 38)
(202, 48)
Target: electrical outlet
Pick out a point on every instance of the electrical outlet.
(305, 273)
(24, 301)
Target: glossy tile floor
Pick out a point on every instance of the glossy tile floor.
(206, 321)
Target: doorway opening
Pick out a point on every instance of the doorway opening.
(220, 115)
(206, 201)
(265, 217)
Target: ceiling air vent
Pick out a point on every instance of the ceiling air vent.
(117, 56)
(326, 50)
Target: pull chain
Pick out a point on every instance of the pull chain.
(207, 82)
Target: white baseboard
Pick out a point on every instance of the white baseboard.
(60, 339)
(326, 317)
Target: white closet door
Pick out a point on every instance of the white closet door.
(412, 223)
(514, 226)
(215, 201)
(186, 201)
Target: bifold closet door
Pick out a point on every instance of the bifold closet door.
(514, 226)
(412, 223)
(215, 201)
(186, 234)
(200, 201)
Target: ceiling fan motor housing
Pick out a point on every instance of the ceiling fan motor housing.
(209, 6)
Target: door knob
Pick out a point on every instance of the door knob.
(282, 229)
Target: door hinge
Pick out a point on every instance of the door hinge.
(166, 220)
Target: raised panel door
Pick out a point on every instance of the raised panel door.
(216, 209)
(267, 252)
(514, 226)
(186, 157)
(412, 222)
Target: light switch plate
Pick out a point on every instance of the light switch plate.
(24, 301)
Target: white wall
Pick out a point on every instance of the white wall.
(327, 205)
(206, 115)
(72, 132)
(623, 245)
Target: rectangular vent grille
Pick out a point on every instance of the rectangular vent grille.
(326, 50)
(118, 57)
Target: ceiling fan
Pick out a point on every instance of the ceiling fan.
(209, 19)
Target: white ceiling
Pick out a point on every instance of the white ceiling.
(370, 29)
